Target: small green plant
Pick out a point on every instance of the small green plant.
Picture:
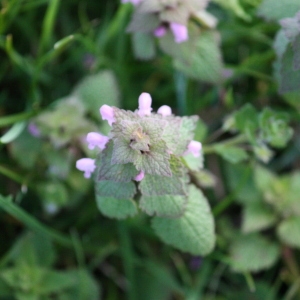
(146, 157)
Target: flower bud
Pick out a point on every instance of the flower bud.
(180, 32)
(145, 105)
(140, 176)
(107, 113)
(34, 130)
(194, 148)
(165, 110)
(160, 31)
(87, 165)
(134, 2)
(96, 139)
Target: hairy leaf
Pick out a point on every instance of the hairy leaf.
(143, 45)
(111, 189)
(276, 10)
(231, 153)
(257, 216)
(154, 185)
(106, 170)
(156, 161)
(289, 231)
(199, 57)
(116, 208)
(96, 90)
(253, 253)
(170, 206)
(193, 232)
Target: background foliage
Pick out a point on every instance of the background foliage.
(60, 61)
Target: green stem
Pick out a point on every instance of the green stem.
(181, 87)
(17, 212)
(230, 142)
(250, 282)
(12, 175)
(226, 202)
(128, 259)
(8, 120)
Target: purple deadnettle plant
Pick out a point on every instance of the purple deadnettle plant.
(159, 17)
(146, 159)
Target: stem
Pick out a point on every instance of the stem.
(5, 121)
(12, 175)
(181, 87)
(230, 142)
(250, 282)
(225, 203)
(128, 259)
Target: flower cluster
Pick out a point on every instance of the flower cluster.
(142, 138)
(159, 17)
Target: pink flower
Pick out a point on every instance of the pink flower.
(165, 110)
(96, 139)
(180, 32)
(194, 148)
(87, 165)
(140, 176)
(134, 2)
(160, 31)
(145, 105)
(107, 113)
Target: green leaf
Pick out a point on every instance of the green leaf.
(178, 15)
(263, 152)
(26, 143)
(54, 281)
(122, 152)
(156, 161)
(5, 290)
(193, 232)
(264, 178)
(64, 121)
(143, 46)
(289, 78)
(143, 22)
(290, 27)
(186, 133)
(116, 208)
(13, 133)
(178, 132)
(154, 185)
(163, 206)
(152, 6)
(118, 190)
(231, 153)
(289, 231)
(192, 162)
(53, 193)
(32, 249)
(236, 7)
(204, 178)
(274, 128)
(85, 287)
(96, 90)
(199, 57)
(257, 216)
(253, 253)
(106, 170)
(246, 120)
(276, 10)
(241, 181)
(156, 281)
